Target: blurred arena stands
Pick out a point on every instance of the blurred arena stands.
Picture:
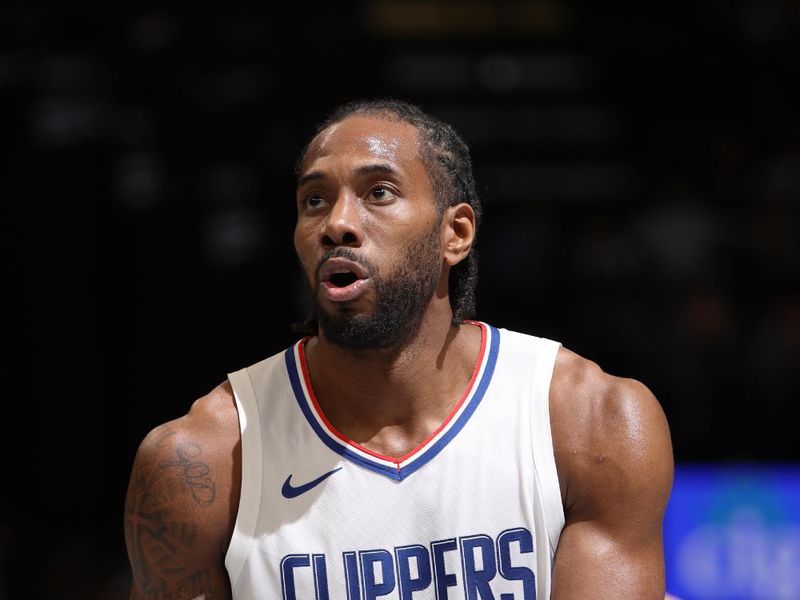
(640, 171)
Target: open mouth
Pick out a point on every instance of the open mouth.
(343, 279)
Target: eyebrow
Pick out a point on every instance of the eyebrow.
(360, 171)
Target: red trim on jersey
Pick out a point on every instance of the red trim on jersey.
(423, 443)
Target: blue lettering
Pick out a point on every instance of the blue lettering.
(351, 576)
(288, 564)
(405, 582)
(443, 579)
(369, 560)
(320, 577)
(479, 566)
(476, 579)
(507, 570)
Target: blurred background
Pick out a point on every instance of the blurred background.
(639, 165)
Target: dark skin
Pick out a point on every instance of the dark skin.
(365, 186)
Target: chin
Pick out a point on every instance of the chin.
(362, 331)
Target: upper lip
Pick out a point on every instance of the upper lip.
(341, 265)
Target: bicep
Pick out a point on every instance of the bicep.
(619, 472)
(592, 562)
(170, 521)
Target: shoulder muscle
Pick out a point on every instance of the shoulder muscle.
(610, 435)
(614, 459)
(181, 501)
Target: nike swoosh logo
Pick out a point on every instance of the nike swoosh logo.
(290, 491)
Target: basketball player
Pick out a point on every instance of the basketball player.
(402, 449)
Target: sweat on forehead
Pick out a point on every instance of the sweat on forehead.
(381, 137)
(446, 158)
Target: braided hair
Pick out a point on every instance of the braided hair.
(447, 160)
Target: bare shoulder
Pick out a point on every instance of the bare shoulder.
(210, 429)
(610, 436)
(182, 499)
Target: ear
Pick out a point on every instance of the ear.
(459, 232)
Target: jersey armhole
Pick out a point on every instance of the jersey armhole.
(250, 492)
(543, 453)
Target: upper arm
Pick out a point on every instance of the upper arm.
(614, 457)
(180, 505)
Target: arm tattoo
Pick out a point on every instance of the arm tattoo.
(195, 472)
(157, 542)
(194, 587)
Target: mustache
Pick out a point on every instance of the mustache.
(347, 253)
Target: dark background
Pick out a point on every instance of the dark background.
(639, 166)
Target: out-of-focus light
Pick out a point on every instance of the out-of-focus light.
(63, 120)
(470, 18)
(529, 183)
(499, 73)
(440, 71)
(138, 181)
(233, 236)
(732, 532)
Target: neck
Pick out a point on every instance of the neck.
(390, 399)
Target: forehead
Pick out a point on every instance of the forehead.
(364, 138)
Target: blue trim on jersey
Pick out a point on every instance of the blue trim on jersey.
(480, 390)
(417, 461)
(294, 377)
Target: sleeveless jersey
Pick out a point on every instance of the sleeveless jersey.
(473, 512)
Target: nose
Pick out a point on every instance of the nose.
(343, 226)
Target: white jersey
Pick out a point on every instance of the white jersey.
(473, 512)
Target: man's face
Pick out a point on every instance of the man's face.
(368, 232)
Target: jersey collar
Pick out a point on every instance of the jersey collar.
(401, 466)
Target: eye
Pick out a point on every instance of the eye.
(380, 192)
(313, 201)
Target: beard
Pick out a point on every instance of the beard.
(402, 298)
